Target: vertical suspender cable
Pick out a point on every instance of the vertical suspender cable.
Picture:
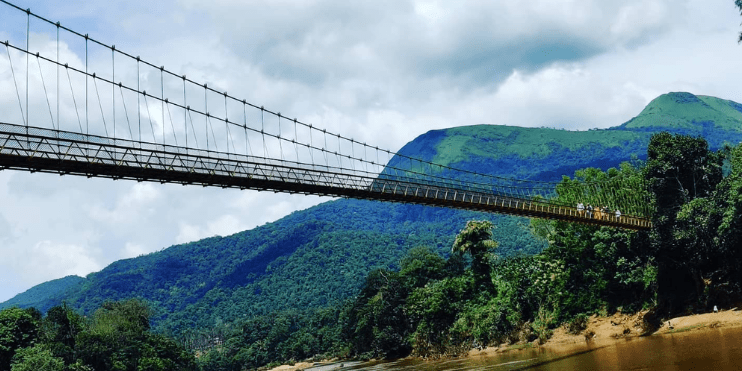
(296, 141)
(149, 117)
(59, 122)
(338, 153)
(262, 132)
(280, 138)
(74, 101)
(206, 118)
(46, 94)
(193, 128)
(87, 120)
(324, 150)
(185, 112)
(377, 160)
(172, 124)
(113, 88)
(15, 82)
(28, 50)
(248, 147)
(311, 145)
(126, 111)
(162, 102)
(139, 105)
(352, 155)
(226, 122)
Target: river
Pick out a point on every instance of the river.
(707, 349)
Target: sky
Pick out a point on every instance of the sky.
(381, 72)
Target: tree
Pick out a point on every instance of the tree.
(420, 265)
(679, 170)
(739, 5)
(710, 230)
(119, 339)
(36, 358)
(476, 239)
(377, 324)
(59, 329)
(18, 329)
(603, 267)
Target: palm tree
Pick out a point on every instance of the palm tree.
(476, 239)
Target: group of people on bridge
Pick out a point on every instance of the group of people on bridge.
(591, 212)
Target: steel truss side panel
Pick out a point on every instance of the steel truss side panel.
(70, 153)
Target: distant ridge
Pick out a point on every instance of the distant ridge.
(45, 294)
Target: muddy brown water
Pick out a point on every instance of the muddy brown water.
(707, 349)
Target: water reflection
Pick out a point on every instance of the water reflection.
(717, 349)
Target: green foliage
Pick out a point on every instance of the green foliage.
(475, 239)
(682, 173)
(432, 308)
(461, 144)
(285, 337)
(420, 265)
(18, 329)
(59, 329)
(623, 186)
(705, 237)
(310, 259)
(45, 295)
(116, 338)
(36, 358)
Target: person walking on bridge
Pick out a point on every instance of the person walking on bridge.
(580, 209)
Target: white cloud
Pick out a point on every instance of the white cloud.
(132, 250)
(138, 203)
(48, 260)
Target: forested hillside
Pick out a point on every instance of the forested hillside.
(322, 255)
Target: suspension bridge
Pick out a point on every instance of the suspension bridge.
(132, 119)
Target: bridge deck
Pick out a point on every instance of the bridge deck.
(45, 150)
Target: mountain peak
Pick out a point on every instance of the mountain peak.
(683, 110)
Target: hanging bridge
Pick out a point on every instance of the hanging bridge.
(131, 119)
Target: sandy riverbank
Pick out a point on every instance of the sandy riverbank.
(316, 366)
(607, 330)
(600, 331)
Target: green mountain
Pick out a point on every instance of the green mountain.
(47, 294)
(320, 256)
(686, 111)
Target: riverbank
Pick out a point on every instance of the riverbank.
(600, 331)
(606, 330)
